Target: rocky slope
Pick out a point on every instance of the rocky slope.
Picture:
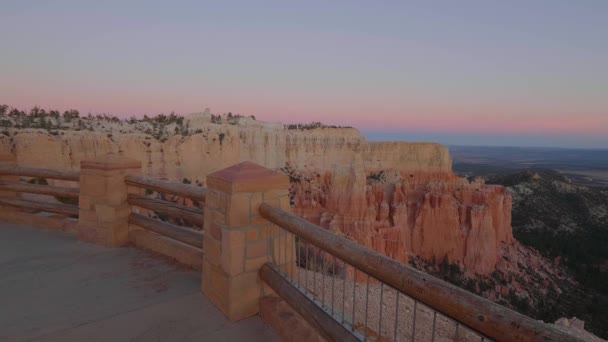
(568, 223)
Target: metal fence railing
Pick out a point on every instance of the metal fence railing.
(379, 299)
(369, 308)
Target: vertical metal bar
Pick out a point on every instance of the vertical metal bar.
(268, 249)
(290, 256)
(280, 262)
(344, 292)
(285, 251)
(298, 258)
(457, 338)
(396, 315)
(366, 306)
(314, 274)
(277, 248)
(307, 262)
(292, 252)
(333, 283)
(354, 289)
(380, 314)
(414, 322)
(272, 240)
(323, 278)
(434, 319)
(279, 251)
(277, 240)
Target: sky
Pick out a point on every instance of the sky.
(513, 73)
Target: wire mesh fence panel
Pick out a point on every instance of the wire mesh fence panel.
(370, 309)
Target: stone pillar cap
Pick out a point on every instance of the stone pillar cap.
(247, 177)
(111, 161)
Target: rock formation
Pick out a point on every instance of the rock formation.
(398, 198)
(402, 212)
(576, 327)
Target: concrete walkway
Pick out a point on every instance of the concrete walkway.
(54, 288)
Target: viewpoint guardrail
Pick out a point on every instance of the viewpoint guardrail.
(170, 209)
(337, 282)
(251, 247)
(12, 183)
(107, 203)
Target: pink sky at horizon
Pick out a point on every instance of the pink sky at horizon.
(417, 118)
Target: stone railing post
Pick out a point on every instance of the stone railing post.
(103, 208)
(238, 241)
(8, 159)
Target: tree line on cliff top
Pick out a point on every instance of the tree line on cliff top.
(33, 117)
(159, 126)
(309, 126)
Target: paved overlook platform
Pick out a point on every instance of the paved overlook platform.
(55, 288)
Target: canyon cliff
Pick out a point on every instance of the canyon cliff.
(404, 212)
(398, 198)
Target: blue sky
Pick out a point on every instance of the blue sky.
(459, 72)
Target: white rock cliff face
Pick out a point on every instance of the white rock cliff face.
(419, 207)
(221, 146)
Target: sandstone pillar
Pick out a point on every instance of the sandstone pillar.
(238, 241)
(103, 207)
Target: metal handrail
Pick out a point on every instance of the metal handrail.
(472, 311)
